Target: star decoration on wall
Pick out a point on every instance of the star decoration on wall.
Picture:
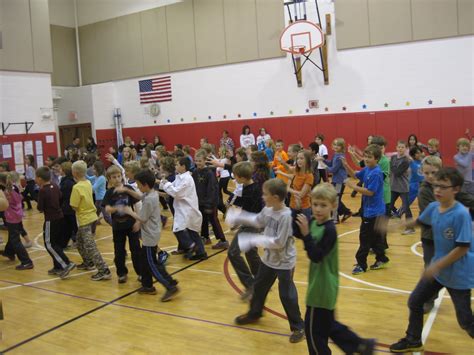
(344, 108)
(430, 102)
(239, 115)
(290, 112)
(385, 105)
(182, 119)
(271, 113)
(168, 121)
(225, 116)
(453, 101)
(326, 109)
(255, 114)
(364, 106)
(194, 118)
(407, 103)
(307, 110)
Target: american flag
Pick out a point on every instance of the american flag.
(155, 90)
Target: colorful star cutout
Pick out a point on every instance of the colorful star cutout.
(194, 118)
(271, 113)
(182, 119)
(239, 115)
(209, 117)
(430, 102)
(154, 122)
(307, 110)
(385, 105)
(344, 108)
(453, 101)
(326, 109)
(255, 114)
(364, 106)
(290, 112)
(407, 103)
(168, 121)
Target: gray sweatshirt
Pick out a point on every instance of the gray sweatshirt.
(464, 165)
(279, 245)
(399, 173)
(151, 221)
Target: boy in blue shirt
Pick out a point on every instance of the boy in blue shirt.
(373, 207)
(452, 263)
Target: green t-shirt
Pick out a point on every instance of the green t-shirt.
(384, 164)
(323, 278)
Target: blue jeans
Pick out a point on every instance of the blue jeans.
(424, 292)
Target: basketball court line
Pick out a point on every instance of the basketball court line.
(92, 310)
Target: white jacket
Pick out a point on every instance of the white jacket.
(186, 204)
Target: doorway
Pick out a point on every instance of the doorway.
(67, 134)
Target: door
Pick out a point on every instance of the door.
(67, 134)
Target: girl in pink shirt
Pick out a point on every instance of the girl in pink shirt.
(13, 217)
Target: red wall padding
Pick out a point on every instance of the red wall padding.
(446, 124)
(48, 148)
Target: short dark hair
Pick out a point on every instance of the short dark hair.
(186, 162)
(44, 173)
(244, 128)
(276, 187)
(59, 160)
(320, 136)
(145, 177)
(179, 146)
(414, 150)
(450, 174)
(374, 150)
(314, 147)
(379, 140)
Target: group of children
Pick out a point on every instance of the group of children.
(266, 212)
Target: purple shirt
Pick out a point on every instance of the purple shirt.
(14, 212)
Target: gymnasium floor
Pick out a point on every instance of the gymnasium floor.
(50, 316)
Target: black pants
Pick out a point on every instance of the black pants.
(370, 239)
(405, 205)
(323, 175)
(23, 231)
(14, 245)
(152, 267)
(29, 194)
(164, 203)
(342, 210)
(187, 237)
(320, 325)
(424, 291)
(69, 229)
(52, 242)
(246, 273)
(264, 281)
(210, 216)
(120, 238)
(223, 184)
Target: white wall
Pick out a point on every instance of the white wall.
(77, 100)
(61, 12)
(437, 70)
(22, 95)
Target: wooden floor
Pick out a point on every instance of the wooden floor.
(46, 315)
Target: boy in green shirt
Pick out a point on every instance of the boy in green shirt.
(320, 243)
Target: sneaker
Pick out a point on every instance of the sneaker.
(206, 241)
(177, 252)
(147, 290)
(199, 257)
(83, 266)
(379, 265)
(346, 217)
(139, 278)
(408, 231)
(28, 244)
(169, 294)
(297, 336)
(101, 275)
(247, 295)
(163, 257)
(221, 244)
(357, 270)
(122, 279)
(24, 266)
(67, 270)
(366, 347)
(405, 345)
(10, 257)
(246, 319)
(54, 271)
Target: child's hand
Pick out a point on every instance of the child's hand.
(127, 210)
(302, 223)
(136, 226)
(109, 157)
(431, 271)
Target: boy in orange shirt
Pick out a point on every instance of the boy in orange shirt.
(278, 160)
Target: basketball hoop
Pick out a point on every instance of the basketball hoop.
(301, 37)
